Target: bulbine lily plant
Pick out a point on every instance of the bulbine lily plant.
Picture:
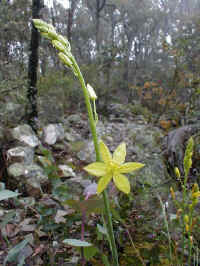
(107, 167)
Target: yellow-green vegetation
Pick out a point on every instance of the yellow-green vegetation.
(185, 216)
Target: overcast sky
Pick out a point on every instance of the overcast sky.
(65, 3)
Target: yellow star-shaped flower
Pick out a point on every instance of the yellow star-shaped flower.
(112, 167)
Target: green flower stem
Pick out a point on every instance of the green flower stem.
(98, 158)
(63, 46)
(110, 228)
(89, 109)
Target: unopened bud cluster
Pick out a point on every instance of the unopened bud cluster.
(58, 41)
(188, 156)
(177, 172)
(189, 220)
(195, 194)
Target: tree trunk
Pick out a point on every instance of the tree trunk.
(99, 6)
(32, 113)
(70, 19)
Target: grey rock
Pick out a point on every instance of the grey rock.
(66, 171)
(33, 187)
(25, 134)
(31, 176)
(21, 154)
(16, 170)
(36, 172)
(53, 133)
(72, 135)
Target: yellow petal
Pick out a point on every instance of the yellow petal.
(105, 153)
(129, 167)
(122, 183)
(96, 169)
(120, 153)
(103, 182)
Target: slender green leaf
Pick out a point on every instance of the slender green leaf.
(6, 194)
(76, 243)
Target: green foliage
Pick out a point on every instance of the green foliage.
(185, 219)
(76, 243)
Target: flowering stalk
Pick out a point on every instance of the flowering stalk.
(187, 163)
(61, 44)
(92, 123)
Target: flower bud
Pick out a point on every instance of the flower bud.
(186, 219)
(65, 59)
(179, 211)
(59, 46)
(64, 42)
(177, 172)
(195, 188)
(196, 195)
(52, 34)
(187, 228)
(172, 193)
(40, 23)
(91, 92)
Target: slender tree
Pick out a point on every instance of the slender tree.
(32, 112)
(70, 18)
(96, 10)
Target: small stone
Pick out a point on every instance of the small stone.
(21, 154)
(53, 133)
(25, 134)
(66, 170)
